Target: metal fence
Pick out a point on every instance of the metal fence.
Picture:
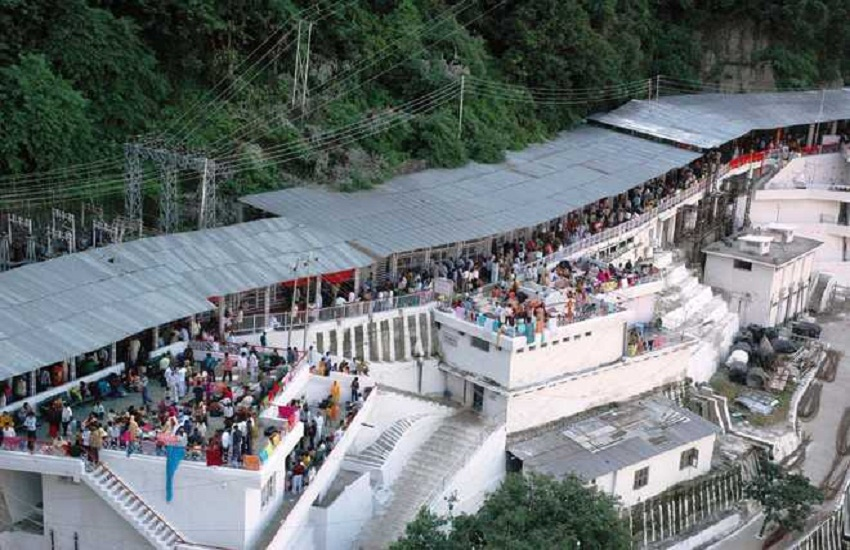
(289, 321)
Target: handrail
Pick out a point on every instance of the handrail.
(145, 504)
(283, 321)
(633, 223)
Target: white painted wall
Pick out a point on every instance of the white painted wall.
(21, 492)
(19, 540)
(664, 472)
(74, 508)
(297, 531)
(618, 382)
(482, 474)
(403, 375)
(224, 520)
(759, 296)
(567, 349)
(336, 527)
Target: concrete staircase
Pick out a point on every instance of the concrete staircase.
(374, 456)
(424, 477)
(131, 507)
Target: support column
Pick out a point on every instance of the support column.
(405, 334)
(72, 375)
(220, 313)
(379, 343)
(33, 380)
(393, 351)
(833, 127)
(155, 338)
(811, 137)
(267, 296)
(113, 352)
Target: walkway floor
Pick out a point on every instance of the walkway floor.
(834, 399)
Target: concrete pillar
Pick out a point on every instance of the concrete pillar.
(429, 327)
(833, 127)
(267, 297)
(66, 370)
(405, 332)
(357, 280)
(33, 380)
(353, 340)
(393, 351)
(379, 341)
(220, 313)
(72, 375)
(155, 338)
(811, 137)
(317, 295)
(113, 353)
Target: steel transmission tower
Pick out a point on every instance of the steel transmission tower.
(302, 66)
(169, 163)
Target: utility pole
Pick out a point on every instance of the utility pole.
(460, 107)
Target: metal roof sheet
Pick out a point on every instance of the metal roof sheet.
(592, 446)
(81, 302)
(437, 207)
(710, 120)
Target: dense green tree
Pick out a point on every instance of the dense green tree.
(162, 66)
(786, 498)
(527, 512)
(43, 120)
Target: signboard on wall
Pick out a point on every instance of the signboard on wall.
(444, 286)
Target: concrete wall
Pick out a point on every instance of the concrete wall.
(21, 492)
(230, 514)
(72, 507)
(482, 474)
(404, 375)
(617, 382)
(297, 531)
(514, 363)
(337, 525)
(664, 472)
(766, 295)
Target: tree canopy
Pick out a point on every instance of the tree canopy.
(786, 498)
(102, 71)
(530, 512)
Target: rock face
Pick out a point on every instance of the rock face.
(730, 58)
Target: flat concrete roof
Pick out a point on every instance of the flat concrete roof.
(780, 253)
(590, 446)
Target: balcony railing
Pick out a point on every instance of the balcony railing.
(286, 321)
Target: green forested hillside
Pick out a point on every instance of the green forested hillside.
(79, 78)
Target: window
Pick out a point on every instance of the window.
(689, 459)
(641, 478)
(483, 345)
(577, 337)
(268, 491)
(742, 265)
(588, 333)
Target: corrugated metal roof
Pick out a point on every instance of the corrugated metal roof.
(81, 302)
(710, 120)
(593, 446)
(437, 207)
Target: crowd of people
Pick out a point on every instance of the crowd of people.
(565, 294)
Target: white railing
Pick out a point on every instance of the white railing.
(286, 321)
(615, 232)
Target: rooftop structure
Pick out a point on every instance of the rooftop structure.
(765, 249)
(81, 302)
(602, 443)
(706, 121)
(437, 207)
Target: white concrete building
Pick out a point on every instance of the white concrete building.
(565, 370)
(765, 276)
(634, 450)
(812, 194)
